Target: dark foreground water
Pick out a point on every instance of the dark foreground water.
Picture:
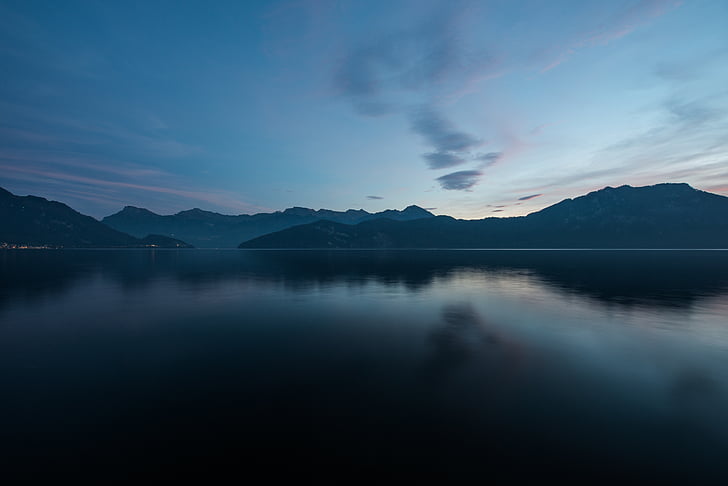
(460, 364)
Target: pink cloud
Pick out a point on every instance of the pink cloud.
(620, 25)
(217, 198)
(722, 189)
(80, 161)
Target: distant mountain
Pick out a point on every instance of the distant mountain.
(659, 216)
(205, 229)
(35, 221)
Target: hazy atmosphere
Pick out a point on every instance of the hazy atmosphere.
(471, 109)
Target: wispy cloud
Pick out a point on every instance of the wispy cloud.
(452, 146)
(488, 159)
(532, 196)
(217, 198)
(80, 160)
(440, 133)
(686, 143)
(410, 60)
(409, 71)
(434, 60)
(33, 125)
(375, 198)
(35, 45)
(59, 147)
(620, 23)
(701, 66)
(720, 188)
(460, 181)
(442, 160)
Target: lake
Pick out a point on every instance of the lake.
(405, 364)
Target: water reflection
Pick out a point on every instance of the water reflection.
(464, 336)
(623, 278)
(466, 364)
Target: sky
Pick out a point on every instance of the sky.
(468, 108)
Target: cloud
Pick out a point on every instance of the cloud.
(215, 197)
(408, 60)
(81, 161)
(452, 146)
(698, 66)
(440, 54)
(686, 143)
(692, 111)
(532, 196)
(440, 133)
(420, 66)
(460, 181)
(620, 24)
(34, 125)
(723, 188)
(488, 159)
(442, 160)
(375, 197)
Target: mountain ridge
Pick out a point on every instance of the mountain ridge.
(668, 215)
(290, 210)
(206, 229)
(36, 221)
(659, 216)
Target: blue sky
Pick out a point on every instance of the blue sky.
(475, 108)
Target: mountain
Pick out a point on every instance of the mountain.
(659, 216)
(35, 221)
(206, 229)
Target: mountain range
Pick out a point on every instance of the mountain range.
(659, 216)
(205, 229)
(35, 221)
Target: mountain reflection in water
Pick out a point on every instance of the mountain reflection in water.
(477, 364)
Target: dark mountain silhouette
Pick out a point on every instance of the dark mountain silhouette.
(659, 216)
(35, 221)
(205, 229)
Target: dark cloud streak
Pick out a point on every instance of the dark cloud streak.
(442, 160)
(460, 181)
(488, 159)
(406, 68)
(452, 146)
(440, 133)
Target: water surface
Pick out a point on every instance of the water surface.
(474, 364)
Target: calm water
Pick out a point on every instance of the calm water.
(457, 363)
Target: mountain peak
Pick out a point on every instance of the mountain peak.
(414, 209)
(298, 211)
(135, 211)
(678, 186)
(36, 221)
(625, 202)
(195, 212)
